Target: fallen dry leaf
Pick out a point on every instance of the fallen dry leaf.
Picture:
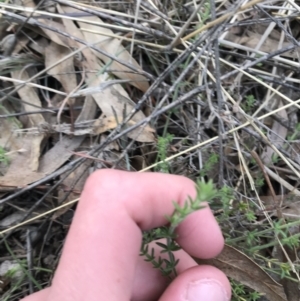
(76, 179)
(12, 219)
(24, 151)
(55, 37)
(88, 111)
(28, 159)
(113, 99)
(39, 45)
(252, 39)
(59, 154)
(241, 268)
(8, 143)
(20, 175)
(48, 163)
(64, 72)
(74, 182)
(291, 288)
(104, 124)
(99, 36)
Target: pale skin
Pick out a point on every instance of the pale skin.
(100, 259)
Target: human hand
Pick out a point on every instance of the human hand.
(100, 259)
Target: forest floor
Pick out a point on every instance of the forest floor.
(208, 90)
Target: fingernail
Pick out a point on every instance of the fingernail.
(206, 290)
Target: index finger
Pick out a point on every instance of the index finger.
(104, 241)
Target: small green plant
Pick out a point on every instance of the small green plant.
(275, 158)
(250, 216)
(296, 133)
(237, 288)
(205, 192)
(3, 156)
(280, 231)
(249, 103)
(242, 293)
(246, 209)
(259, 181)
(162, 152)
(204, 13)
(226, 195)
(16, 270)
(209, 164)
(285, 269)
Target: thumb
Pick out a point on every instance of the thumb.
(201, 283)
